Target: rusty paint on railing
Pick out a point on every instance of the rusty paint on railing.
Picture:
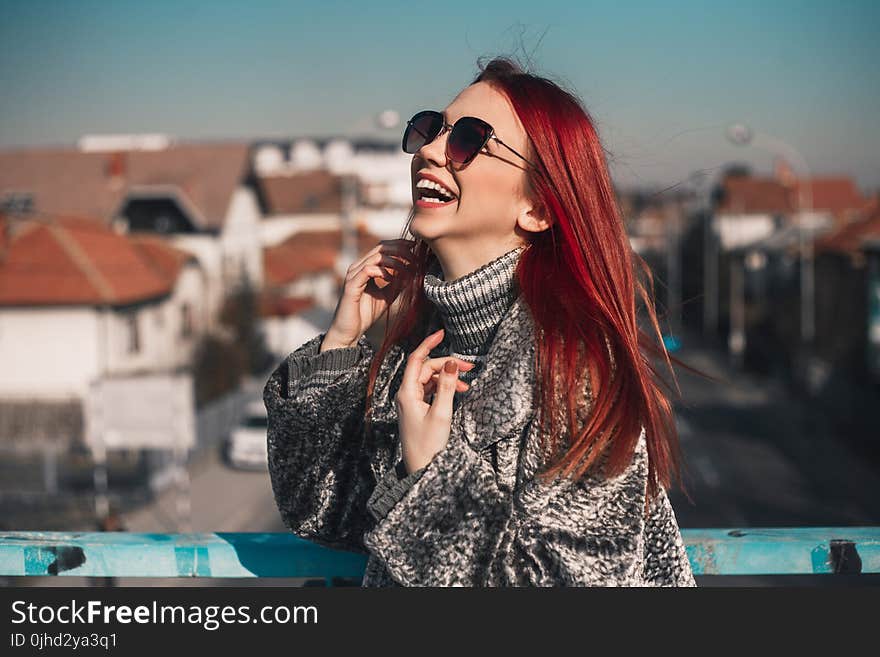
(783, 550)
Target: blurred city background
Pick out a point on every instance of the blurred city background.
(183, 186)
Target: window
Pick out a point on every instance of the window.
(186, 321)
(134, 338)
(311, 202)
(17, 203)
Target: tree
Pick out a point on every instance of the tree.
(241, 315)
(222, 358)
(217, 368)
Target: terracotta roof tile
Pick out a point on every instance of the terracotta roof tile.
(309, 191)
(79, 261)
(274, 306)
(747, 195)
(850, 237)
(165, 259)
(308, 252)
(835, 194)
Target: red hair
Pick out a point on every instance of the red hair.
(588, 334)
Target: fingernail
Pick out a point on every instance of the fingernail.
(450, 367)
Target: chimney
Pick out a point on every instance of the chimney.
(115, 167)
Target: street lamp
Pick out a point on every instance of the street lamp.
(742, 135)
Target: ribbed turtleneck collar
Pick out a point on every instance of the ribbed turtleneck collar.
(472, 306)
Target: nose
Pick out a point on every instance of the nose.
(435, 151)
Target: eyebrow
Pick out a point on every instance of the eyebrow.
(446, 117)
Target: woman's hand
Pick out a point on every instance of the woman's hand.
(363, 300)
(424, 427)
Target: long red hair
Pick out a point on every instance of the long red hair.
(588, 333)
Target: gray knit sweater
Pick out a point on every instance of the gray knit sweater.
(476, 515)
(471, 307)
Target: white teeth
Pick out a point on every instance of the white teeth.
(424, 182)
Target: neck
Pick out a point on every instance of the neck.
(457, 259)
(472, 306)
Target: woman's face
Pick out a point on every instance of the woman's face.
(488, 190)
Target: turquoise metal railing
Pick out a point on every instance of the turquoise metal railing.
(734, 551)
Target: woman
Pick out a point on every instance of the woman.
(509, 430)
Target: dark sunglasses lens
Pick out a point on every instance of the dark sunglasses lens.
(466, 140)
(422, 128)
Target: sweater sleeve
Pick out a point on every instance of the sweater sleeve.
(455, 524)
(391, 488)
(319, 466)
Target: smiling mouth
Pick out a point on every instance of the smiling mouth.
(431, 197)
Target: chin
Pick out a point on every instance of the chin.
(429, 224)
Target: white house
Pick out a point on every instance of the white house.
(80, 303)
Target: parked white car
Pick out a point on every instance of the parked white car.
(246, 447)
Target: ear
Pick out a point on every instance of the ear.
(533, 219)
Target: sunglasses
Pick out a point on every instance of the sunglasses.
(468, 136)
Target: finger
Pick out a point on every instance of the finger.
(433, 366)
(401, 248)
(397, 272)
(392, 268)
(431, 386)
(403, 252)
(390, 287)
(441, 408)
(410, 384)
(432, 382)
(368, 273)
(381, 260)
(393, 257)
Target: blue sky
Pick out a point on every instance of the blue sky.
(661, 79)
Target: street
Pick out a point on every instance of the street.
(757, 456)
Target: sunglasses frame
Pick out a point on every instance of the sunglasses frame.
(444, 126)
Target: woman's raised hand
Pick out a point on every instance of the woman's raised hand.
(363, 300)
(424, 427)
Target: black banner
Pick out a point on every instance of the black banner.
(57, 620)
